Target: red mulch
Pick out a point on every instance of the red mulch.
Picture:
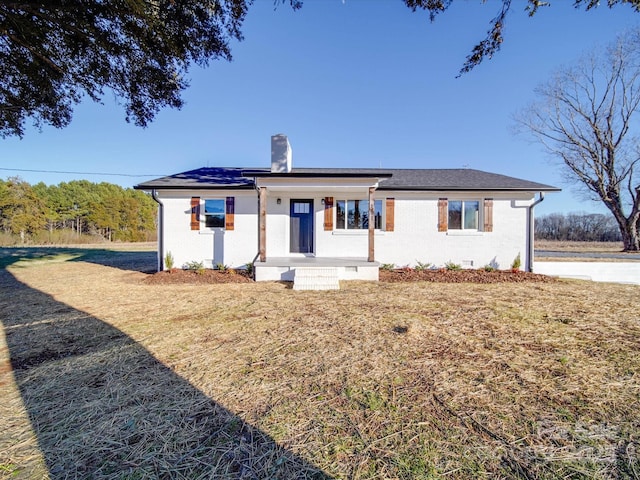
(174, 276)
(177, 276)
(461, 276)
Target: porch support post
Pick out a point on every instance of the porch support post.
(262, 225)
(372, 224)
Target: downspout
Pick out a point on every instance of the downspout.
(530, 236)
(255, 187)
(154, 195)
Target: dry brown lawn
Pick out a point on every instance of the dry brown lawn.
(586, 251)
(581, 247)
(104, 375)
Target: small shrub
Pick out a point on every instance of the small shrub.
(515, 265)
(489, 268)
(221, 267)
(248, 267)
(421, 267)
(194, 266)
(169, 261)
(387, 267)
(452, 266)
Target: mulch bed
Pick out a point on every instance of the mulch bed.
(461, 276)
(208, 276)
(176, 276)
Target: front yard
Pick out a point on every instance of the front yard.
(105, 375)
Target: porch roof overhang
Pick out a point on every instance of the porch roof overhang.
(324, 174)
(317, 183)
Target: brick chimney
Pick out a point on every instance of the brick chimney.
(280, 154)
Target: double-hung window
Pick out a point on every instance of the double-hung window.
(217, 213)
(354, 214)
(464, 214)
(214, 213)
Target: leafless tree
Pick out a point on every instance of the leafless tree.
(586, 117)
(592, 227)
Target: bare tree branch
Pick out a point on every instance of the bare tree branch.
(584, 117)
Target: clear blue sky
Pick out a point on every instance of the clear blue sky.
(353, 83)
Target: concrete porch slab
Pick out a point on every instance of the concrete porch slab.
(348, 268)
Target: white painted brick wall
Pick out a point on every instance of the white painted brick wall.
(415, 238)
(233, 248)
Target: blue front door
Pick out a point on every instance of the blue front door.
(301, 226)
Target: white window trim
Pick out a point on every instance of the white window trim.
(203, 215)
(465, 233)
(470, 232)
(360, 231)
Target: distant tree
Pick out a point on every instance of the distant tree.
(550, 227)
(77, 198)
(104, 210)
(54, 53)
(73, 209)
(581, 227)
(46, 194)
(21, 210)
(586, 117)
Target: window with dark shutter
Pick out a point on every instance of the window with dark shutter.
(229, 223)
(389, 214)
(488, 215)
(443, 214)
(328, 213)
(195, 213)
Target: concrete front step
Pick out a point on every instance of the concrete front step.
(316, 278)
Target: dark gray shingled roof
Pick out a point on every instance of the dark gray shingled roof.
(214, 177)
(458, 179)
(396, 179)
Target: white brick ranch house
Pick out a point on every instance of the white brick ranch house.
(282, 218)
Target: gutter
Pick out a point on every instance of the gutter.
(154, 195)
(531, 232)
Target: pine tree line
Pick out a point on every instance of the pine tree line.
(75, 211)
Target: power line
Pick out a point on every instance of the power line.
(79, 173)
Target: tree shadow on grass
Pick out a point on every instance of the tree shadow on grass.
(134, 260)
(102, 406)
